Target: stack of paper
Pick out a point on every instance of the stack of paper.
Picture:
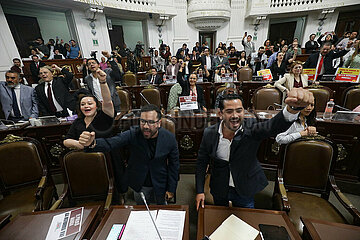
(233, 228)
(140, 226)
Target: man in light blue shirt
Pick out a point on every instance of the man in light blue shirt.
(74, 50)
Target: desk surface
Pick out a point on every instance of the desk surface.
(315, 229)
(211, 218)
(36, 225)
(120, 214)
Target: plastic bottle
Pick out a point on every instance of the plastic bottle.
(328, 110)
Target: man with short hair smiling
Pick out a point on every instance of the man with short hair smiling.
(153, 166)
(230, 148)
(18, 101)
(323, 61)
(173, 68)
(112, 74)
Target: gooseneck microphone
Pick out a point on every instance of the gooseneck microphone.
(342, 108)
(144, 200)
(142, 95)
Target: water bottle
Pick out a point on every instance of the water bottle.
(328, 110)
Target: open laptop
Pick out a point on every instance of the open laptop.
(345, 116)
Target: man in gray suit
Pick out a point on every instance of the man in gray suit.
(221, 60)
(112, 74)
(18, 101)
(249, 46)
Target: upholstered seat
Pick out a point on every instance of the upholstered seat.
(265, 97)
(88, 180)
(168, 124)
(352, 97)
(26, 184)
(129, 79)
(125, 99)
(304, 205)
(306, 169)
(322, 95)
(152, 95)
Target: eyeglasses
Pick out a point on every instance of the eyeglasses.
(8, 77)
(149, 122)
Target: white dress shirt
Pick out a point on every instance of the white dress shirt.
(223, 150)
(97, 88)
(17, 93)
(57, 105)
(208, 62)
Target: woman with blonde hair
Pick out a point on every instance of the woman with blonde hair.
(354, 60)
(294, 79)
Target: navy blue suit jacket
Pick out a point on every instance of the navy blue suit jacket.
(246, 170)
(164, 168)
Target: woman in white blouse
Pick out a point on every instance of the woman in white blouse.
(302, 127)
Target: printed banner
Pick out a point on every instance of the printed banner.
(266, 74)
(347, 74)
(311, 73)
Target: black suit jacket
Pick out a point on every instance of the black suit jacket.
(60, 88)
(164, 167)
(158, 79)
(311, 62)
(185, 85)
(35, 70)
(246, 170)
(203, 61)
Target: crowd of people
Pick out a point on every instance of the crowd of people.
(153, 167)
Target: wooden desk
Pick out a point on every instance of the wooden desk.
(36, 225)
(315, 229)
(51, 138)
(120, 214)
(211, 217)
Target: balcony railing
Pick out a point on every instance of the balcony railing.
(285, 3)
(268, 7)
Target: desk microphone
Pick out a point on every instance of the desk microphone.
(142, 95)
(144, 200)
(342, 108)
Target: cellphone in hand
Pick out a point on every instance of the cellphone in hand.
(245, 33)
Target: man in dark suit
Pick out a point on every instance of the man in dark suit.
(207, 60)
(35, 66)
(183, 48)
(221, 60)
(323, 61)
(173, 68)
(53, 94)
(153, 166)
(112, 74)
(230, 147)
(18, 101)
(154, 78)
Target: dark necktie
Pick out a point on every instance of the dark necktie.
(50, 99)
(153, 80)
(14, 104)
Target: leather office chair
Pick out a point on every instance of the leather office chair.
(129, 79)
(88, 180)
(152, 95)
(245, 74)
(307, 166)
(265, 97)
(168, 124)
(75, 83)
(322, 95)
(352, 97)
(26, 184)
(125, 99)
